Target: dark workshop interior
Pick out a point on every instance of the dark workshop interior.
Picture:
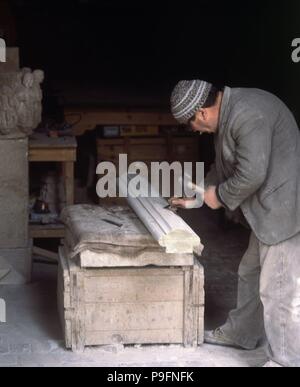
(109, 65)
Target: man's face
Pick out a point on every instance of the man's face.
(205, 121)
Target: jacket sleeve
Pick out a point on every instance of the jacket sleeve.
(211, 177)
(252, 153)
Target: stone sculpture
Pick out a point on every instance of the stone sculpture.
(20, 102)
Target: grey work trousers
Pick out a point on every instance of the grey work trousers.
(269, 300)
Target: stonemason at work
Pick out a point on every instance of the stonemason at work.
(255, 176)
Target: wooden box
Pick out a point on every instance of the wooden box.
(140, 305)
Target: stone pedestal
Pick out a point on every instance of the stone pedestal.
(15, 252)
(20, 113)
(13, 193)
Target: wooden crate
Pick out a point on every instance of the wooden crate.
(146, 305)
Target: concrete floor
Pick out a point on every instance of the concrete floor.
(32, 335)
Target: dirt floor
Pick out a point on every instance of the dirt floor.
(32, 335)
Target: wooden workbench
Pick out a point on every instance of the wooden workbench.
(63, 150)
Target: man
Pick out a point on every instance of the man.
(256, 172)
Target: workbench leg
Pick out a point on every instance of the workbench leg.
(68, 173)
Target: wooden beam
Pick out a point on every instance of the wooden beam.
(46, 231)
(68, 173)
(55, 155)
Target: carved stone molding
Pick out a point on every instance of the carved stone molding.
(167, 228)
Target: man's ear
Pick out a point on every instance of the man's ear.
(202, 114)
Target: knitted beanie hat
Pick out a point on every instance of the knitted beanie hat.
(187, 98)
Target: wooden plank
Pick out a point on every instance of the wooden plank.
(198, 300)
(51, 155)
(68, 173)
(63, 303)
(46, 231)
(131, 272)
(134, 289)
(189, 328)
(148, 336)
(134, 316)
(64, 299)
(79, 317)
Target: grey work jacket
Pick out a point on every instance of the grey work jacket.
(257, 166)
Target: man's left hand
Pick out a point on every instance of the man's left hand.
(211, 199)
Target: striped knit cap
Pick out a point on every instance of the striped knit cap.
(187, 98)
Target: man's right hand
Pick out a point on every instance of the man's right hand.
(185, 203)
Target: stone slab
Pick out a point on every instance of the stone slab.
(91, 259)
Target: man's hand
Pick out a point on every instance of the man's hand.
(186, 203)
(211, 199)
